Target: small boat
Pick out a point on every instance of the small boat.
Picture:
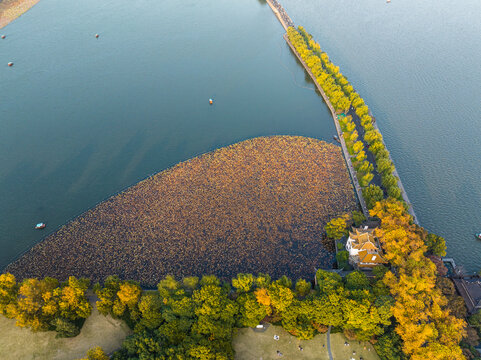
(40, 226)
(388, 1)
(211, 101)
(478, 236)
(3, 36)
(97, 36)
(10, 64)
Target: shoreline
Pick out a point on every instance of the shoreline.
(120, 231)
(13, 9)
(347, 157)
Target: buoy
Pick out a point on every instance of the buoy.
(97, 36)
(3, 36)
(211, 101)
(10, 64)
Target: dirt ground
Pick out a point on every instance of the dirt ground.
(17, 343)
(251, 345)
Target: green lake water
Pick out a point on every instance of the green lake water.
(417, 64)
(82, 118)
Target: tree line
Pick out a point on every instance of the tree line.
(402, 310)
(46, 304)
(342, 96)
(424, 320)
(196, 318)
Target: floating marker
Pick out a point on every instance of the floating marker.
(10, 64)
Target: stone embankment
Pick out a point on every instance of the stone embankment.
(399, 182)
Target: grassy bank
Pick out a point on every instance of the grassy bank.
(22, 343)
(250, 345)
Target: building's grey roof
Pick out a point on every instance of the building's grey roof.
(470, 290)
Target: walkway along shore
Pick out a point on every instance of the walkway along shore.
(286, 22)
(281, 14)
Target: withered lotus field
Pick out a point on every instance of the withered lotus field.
(256, 206)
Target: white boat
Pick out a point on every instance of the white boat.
(40, 226)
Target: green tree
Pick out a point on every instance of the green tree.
(96, 353)
(303, 287)
(342, 258)
(372, 194)
(150, 307)
(337, 227)
(263, 280)
(281, 297)
(328, 281)
(284, 281)
(389, 347)
(107, 294)
(385, 166)
(328, 308)
(190, 283)
(389, 180)
(8, 291)
(357, 218)
(209, 280)
(357, 280)
(298, 319)
(167, 286)
(251, 312)
(394, 192)
(243, 282)
(65, 328)
(436, 245)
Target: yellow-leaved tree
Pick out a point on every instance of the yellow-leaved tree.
(426, 326)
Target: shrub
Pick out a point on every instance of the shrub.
(342, 258)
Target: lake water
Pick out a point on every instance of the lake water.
(417, 64)
(82, 118)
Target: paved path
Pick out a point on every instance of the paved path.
(329, 343)
(281, 14)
